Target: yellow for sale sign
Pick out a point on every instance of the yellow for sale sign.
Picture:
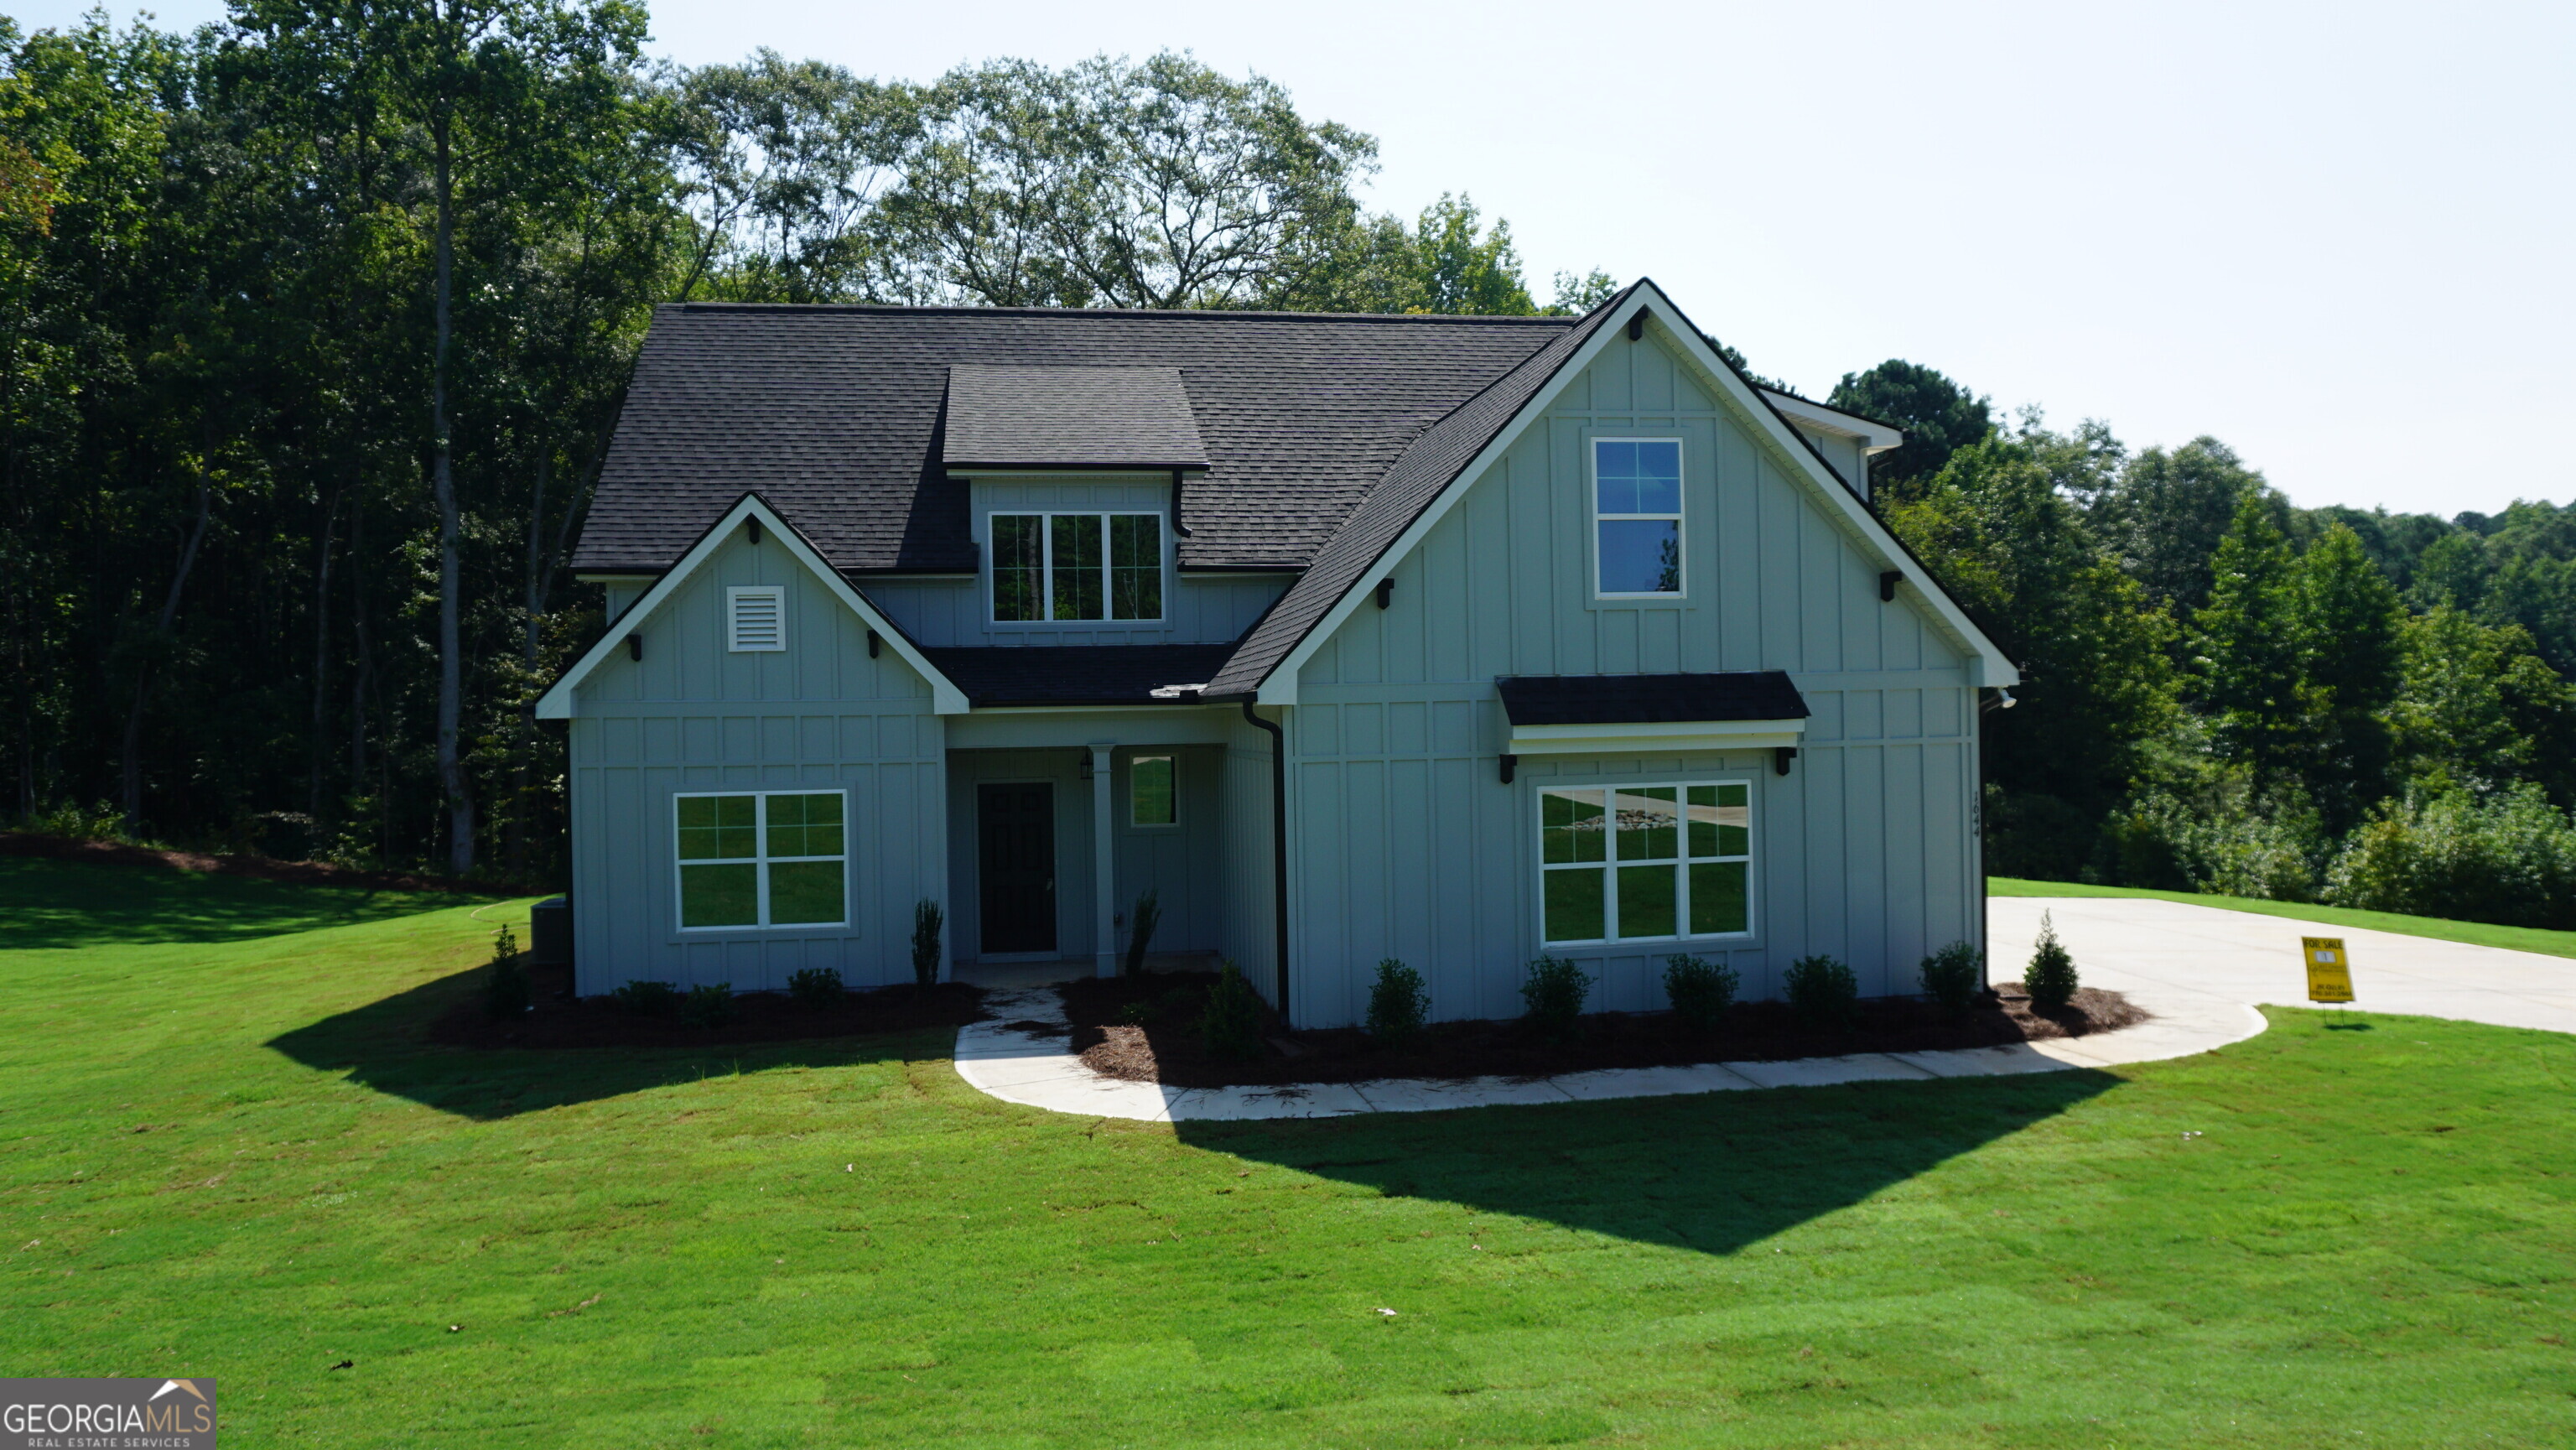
(2329, 969)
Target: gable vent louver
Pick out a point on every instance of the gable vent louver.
(756, 619)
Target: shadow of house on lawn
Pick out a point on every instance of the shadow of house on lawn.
(385, 1046)
(1713, 1172)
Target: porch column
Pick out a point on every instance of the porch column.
(1104, 866)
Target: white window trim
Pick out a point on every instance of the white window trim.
(1046, 567)
(1174, 823)
(1609, 865)
(1681, 524)
(734, 597)
(760, 860)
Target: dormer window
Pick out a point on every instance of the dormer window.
(1077, 566)
(1637, 517)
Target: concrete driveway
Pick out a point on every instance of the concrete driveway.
(2163, 951)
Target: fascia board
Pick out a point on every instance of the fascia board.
(1875, 437)
(1988, 664)
(1655, 736)
(946, 698)
(1279, 687)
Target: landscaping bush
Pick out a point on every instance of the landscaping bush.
(816, 987)
(2509, 859)
(1147, 915)
(1232, 1026)
(1700, 991)
(1554, 993)
(708, 1005)
(2051, 979)
(505, 989)
(1822, 991)
(1397, 1003)
(647, 999)
(1952, 977)
(927, 918)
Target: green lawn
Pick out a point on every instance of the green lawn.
(227, 1156)
(2476, 933)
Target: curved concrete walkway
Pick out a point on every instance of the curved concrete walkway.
(2197, 969)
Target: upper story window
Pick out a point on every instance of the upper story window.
(1077, 566)
(1637, 516)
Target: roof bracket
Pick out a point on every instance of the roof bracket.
(1781, 755)
(1888, 579)
(1510, 763)
(876, 643)
(1637, 325)
(635, 647)
(753, 524)
(1385, 592)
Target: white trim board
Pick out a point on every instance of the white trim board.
(1987, 663)
(1655, 737)
(946, 698)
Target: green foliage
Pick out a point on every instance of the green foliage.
(2246, 648)
(506, 992)
(2164, 514)
(1700, 990)
(2478, 707)
(1142, 920)
(1231, 1026)
(2509, 858)
(709, 1004)
(927, 919)
(1822, 992)
(1938, 416)
(1399, 1001)
(1552, 995)
(2050, 978)
(1578, 295)
(647, 999)
(1953, 976)
(2348, 625)
(816, 987)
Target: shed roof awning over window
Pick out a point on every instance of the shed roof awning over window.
(1070, 417)
(1743, 710)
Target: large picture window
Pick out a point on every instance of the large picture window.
(1646, 862)
(1077, 566)
(773, 858)
(1637, 516)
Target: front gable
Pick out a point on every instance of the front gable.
(673, 644)
(1508, 579)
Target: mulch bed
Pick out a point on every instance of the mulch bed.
(560, 1020)
(307, 873)
(1145, 1029)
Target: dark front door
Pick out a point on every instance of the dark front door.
(1015, 846)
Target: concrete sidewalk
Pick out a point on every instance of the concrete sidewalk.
(2172, 952)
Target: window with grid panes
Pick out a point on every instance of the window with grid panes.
(1646, 862)
(765, 858)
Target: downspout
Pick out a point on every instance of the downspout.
(1278, 842)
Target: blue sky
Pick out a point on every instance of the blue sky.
(2335, 236)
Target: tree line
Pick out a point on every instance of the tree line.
(2224, 692)
(315, 323)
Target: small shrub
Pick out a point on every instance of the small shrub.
(1699, 990)
(1232, 1026)
(1822, 991)
(505, 990)
(816, 987)
(709, 1004)
(927, 919)
(2051, 979)
(647, 999)
(1952, 977)
(1147, 915)
(1397, 1003)
(1554, 993)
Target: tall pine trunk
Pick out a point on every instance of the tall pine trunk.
(451, 656)
(131, 762)
(320, 747)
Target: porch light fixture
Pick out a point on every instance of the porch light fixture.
(1085, 766)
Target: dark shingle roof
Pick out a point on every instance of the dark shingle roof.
(1637, 699)
(834, 415)
(1070, 418)
(1076, 674)
(1418, 476)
